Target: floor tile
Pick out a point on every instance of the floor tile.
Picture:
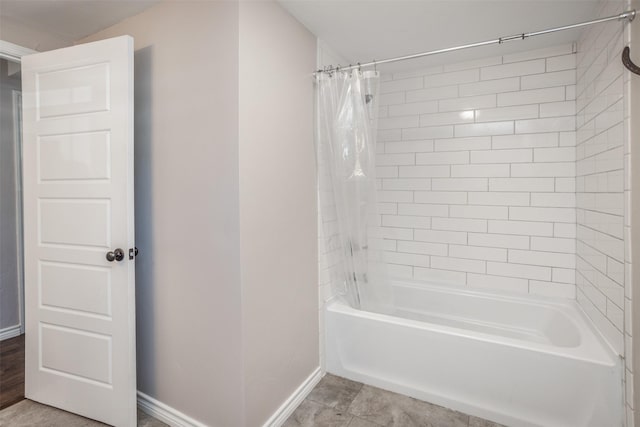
(314, 414)
(394, 410)
(359, 422)
(28, 413)
(335, 392)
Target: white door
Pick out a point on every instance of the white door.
(78, 209)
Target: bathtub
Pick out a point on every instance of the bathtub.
(517, 361)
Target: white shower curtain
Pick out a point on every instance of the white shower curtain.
(347, 111)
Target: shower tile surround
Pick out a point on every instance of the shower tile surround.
(477, 172)
(512, 174)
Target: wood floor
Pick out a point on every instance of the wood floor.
(11, 371)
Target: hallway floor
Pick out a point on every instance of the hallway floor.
(11, 371)
(339, 402)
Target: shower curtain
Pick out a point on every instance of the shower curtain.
(347, 112)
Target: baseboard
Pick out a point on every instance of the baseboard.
(175, 418)
(290, 405)
(165, 413)
(10, 332)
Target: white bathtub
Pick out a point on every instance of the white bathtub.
(517, 361)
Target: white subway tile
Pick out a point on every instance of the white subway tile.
(566, 185)
(498, 198)
(525, 141)
(497, 283)
(458, 264)
(552, 289)
(442, 158)
(507, 113)
(542, 170)
(401, 85)
(542, 214)
(570, 92)
(525, 228)
(558, 78)
(476, 63)
(395, 233)
(564, 230)
(545, 52)
(395, 159)
(476, 252)
(486, 212)
(401, 221)
(459, 224)
(563, 275)
(502, 156)
(387, 208)
(386, 171)
(553, 244)
(432, 94)
(450, 118)
(559, 154)
(499, 240)
(451, 198)
(425, 171)
(511, 70)
(454, 77)
(390, 98)
(422, 248)
(427, 132)
(413, 108)
(398, 122)
(490, 87)
(395, 196)
(406, 184)
(558, 109)
(408, 147)
(423, 210)
(437, 236)
(467, 103)
(560, 63)
(519, 270)
(406, 259)
(400, 271)
(521, 184)
(483, 129)
(531, 96)
(463, 144)
(554, 124)
(440, 276)
(556, 200)
(459, 184)
(479, 171)
(389, 135)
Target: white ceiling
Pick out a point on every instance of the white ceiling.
(363, 30)
(71, 20)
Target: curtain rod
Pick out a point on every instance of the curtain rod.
(630, 15)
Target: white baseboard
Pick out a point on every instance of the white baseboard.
(10, 332)
(165, 413)
(280, 416)
(175, 418)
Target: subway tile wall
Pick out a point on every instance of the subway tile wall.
(477, 173)
(602, 182)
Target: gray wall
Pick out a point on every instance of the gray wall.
(225, 207)
(9, 188)
(278, 207)
(187, 211)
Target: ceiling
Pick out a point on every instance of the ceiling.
(363, 30)
(71, 20)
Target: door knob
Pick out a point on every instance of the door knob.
(117, 255)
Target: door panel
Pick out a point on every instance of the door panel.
(78, 201)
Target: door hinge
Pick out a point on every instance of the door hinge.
(133, 252)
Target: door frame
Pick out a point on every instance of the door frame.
(14, 53)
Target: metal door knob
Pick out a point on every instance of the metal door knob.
(117, 255)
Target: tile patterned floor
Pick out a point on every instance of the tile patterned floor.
(28, 413)
(339, 402)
